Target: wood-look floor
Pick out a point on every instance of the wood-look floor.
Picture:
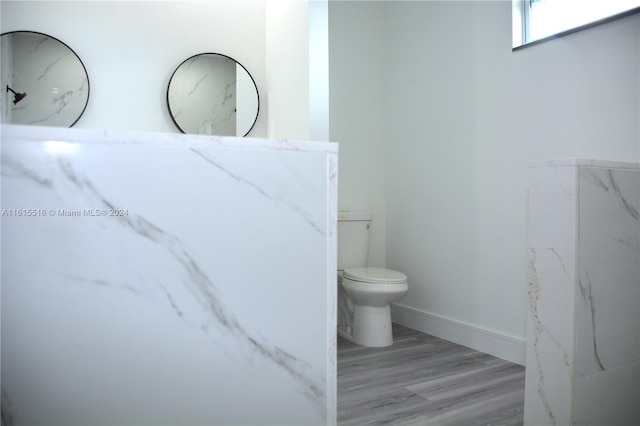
(424, 380)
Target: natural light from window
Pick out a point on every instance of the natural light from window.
(536, 19)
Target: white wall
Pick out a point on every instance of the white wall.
(287, 75)
(357, 111)
(319, 70)
(463, 116)
(131, 48)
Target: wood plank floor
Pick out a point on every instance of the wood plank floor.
(424, 380)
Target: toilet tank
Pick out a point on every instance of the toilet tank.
(354, 229)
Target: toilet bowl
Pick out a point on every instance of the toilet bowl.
(371, 291)
(364, 293)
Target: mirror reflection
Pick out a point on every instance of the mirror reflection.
(44, 82)
(213, 94)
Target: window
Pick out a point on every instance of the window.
(535, 20)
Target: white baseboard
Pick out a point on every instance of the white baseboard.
(499, 345)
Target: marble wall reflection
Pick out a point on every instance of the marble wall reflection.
(167, 279)
(212, 94)
(583, 339)
(203, 94)
(52, 76)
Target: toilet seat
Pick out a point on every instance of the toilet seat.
(373, 275)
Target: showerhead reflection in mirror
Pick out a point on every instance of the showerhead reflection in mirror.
(45, 83)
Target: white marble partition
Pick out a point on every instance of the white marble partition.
(167, 279)
(583, 337)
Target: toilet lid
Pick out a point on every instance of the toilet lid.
(375, 275)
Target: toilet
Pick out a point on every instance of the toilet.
(364, 293)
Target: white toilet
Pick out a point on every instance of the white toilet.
(364, 293)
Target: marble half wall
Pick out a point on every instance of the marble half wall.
(583, 336)
(167, 279)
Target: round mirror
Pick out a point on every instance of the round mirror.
(213, 94)
(44, 82)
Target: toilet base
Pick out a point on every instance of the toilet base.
(372, 326)
(346, 332)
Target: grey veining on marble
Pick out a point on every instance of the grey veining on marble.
(608, 311)
(550, 355)
(424, 380)
(583, 344)
(176, 307)
(297, 204)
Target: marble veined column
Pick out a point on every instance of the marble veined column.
(583, 336)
